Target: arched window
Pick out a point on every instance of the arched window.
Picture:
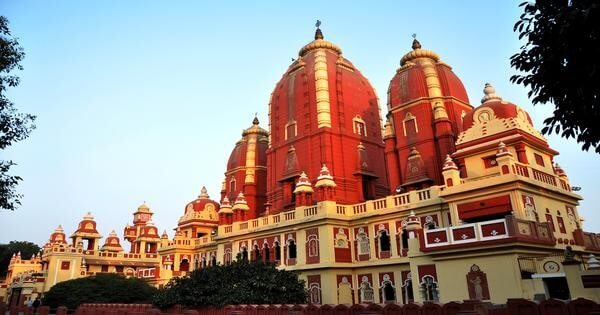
(277, 251)
(291, 130)
(244, 253)
(184, 265)
(363, 243)
(266, 252)
(359, 126)
(227, 256)
(213, 260)
(429, 289)
(256, 252)
(203, 262)
(341, 239)
(407, 290)
(384, 241)
(313, 246)
(314, 293)
(410, 125)
(404, 238)
(291, 249)
(388, 291)
(232, 183)
(366, 291)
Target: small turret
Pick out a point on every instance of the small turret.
(450, 172)
(325, 185)
(303, 191)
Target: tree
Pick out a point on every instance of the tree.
(560, 65)
(101, 288)
(27, 249)
(241, 282)
(14, 126)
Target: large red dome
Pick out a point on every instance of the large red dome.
(324, 111)
(411, 80)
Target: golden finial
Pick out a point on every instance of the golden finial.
(415, 44)
(318, 33)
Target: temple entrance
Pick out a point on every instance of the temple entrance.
(557, 287)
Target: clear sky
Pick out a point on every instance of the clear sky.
(144, 100)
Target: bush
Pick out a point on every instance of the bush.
(101, 288)
(241, 282)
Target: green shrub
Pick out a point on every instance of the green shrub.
(101, 288)
(241, 282)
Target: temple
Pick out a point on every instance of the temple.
(440, 199)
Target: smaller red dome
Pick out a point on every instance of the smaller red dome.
(500, 108)
(495, 116)
(410, 83)
(58, 236)
(112, 243)
(200, 203)
(87, 224)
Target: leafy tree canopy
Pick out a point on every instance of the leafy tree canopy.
(559, 64)
(101, 288)
(14, 126)
(27, 250)
(241, 282)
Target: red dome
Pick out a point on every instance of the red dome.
(246, 168)
(493, 117)
(87, 225)
(58, 236)
(237, 157)
(320, 112)
(199, 204)
(499, 108)
(409, 83)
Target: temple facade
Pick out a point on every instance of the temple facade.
(443, 200)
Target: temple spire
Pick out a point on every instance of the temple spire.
(318, 33)
(415, 44)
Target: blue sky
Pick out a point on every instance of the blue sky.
(144, 100)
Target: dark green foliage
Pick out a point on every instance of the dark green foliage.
(101, 288)
(242, 282)
(14, 126)
(560, 65)
(27, 250)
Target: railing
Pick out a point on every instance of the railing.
(543, 177)
(540, 176)
(290, 215)
(520, 230)
(524, 170)
(466, 233)
(203, 240)
(310, 211)
(521, 170)
(424, 194)
(401, 199)
(359, 208)
(383, 204)
(380, 204)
